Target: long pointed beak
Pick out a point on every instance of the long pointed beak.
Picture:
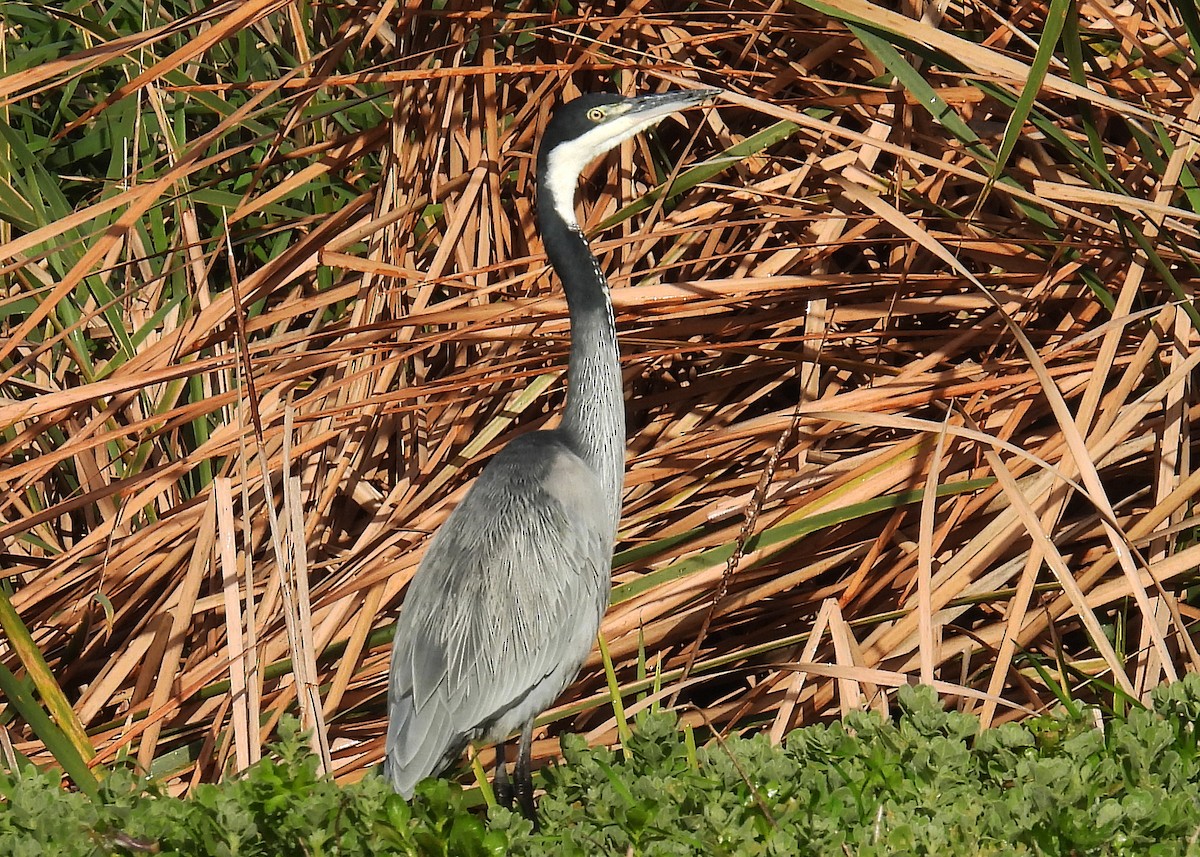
(649, 108)
(559, 169)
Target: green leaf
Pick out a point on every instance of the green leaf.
(693, 176)
(1055, 20)
(785, 534)
(21, 641)
(60, 745)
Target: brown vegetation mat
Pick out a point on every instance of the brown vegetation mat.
(891, 421)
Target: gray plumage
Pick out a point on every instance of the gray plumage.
(537, 509)
(508, 598)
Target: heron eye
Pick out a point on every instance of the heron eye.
(595, 114)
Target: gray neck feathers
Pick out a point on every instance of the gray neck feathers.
(594, 420)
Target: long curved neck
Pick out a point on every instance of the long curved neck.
(594, 420)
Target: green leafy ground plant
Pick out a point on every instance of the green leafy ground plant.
(924, 783)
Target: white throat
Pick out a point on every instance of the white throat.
(567, 160)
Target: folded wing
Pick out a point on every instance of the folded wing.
(503, 609)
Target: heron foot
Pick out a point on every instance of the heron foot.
(504, 793)
(501, 784)
(524, 792)
(506, 790)
(524, 777)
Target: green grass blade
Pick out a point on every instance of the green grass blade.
(614, 691)
(1055, 20)
(788, 532)
(20, 696)
(947, 116)
(689, 178)
(1186, 10)
(39, 673)
(922, 92)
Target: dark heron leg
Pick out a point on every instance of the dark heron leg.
(501, 785)
(523, 777)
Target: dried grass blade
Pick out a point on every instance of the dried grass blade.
(925, 553)
(162, 696)
(982, 59)
(1071, 434)
(784, 715)
(243, 738)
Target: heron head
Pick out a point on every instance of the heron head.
(582, 130)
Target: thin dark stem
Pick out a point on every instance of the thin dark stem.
(750, 519)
